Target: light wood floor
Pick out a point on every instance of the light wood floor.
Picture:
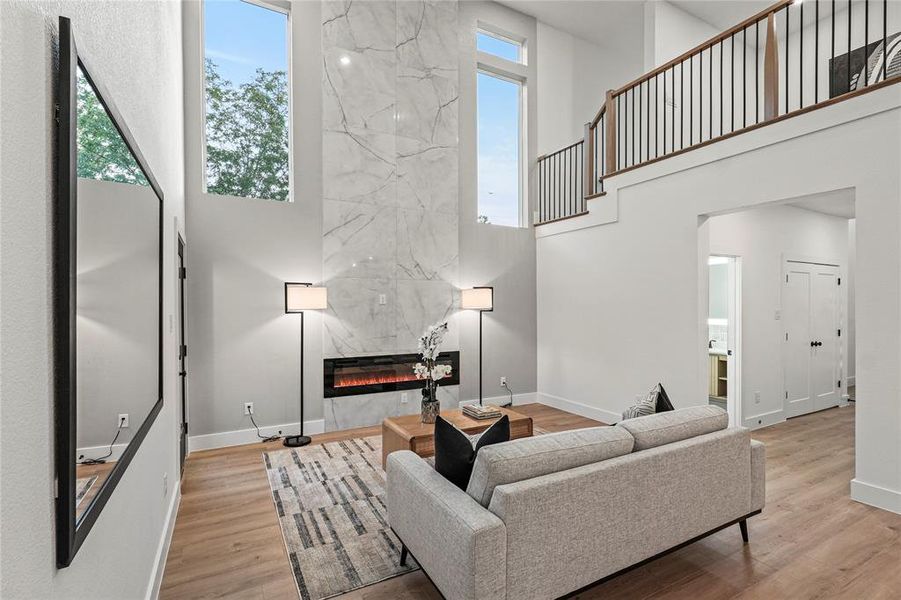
(811, 541)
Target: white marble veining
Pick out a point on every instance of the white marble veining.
(390, 186)
(358, 240)
(356, 322)
(427, 245)
(427, 176)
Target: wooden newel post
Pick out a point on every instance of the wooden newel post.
(610, 144)
(588, 177)
(771, 71)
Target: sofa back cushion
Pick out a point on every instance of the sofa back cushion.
(673, 426)
(526, 458)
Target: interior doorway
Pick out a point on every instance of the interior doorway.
(724, 334)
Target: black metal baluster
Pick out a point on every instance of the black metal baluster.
(656, 115)
(801, 60)
(710, 93)
(640, 119)
(732, 82)
(816, 52)
(721, 87)
(849, 45)
(682, 105)
(787, 51)
(673, 123)
(866, 39)
(757, 72)
(691, 108)
(744, 77)
(647, 143)
(833, 48)
(884, 39)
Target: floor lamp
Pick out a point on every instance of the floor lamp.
(482, 300)
(298, 298)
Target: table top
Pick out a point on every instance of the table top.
(410, 426)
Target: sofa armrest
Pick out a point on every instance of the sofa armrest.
(758, 475)
(460, 544)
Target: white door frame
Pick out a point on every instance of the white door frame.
(842, 310)
(733, 384)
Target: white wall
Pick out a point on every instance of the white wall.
(135, 50)
(670, 31)
(763, 238)
(618, 304)
(573, 78)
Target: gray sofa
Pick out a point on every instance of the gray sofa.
(548, 515)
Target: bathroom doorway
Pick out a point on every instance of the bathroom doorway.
(724, 334)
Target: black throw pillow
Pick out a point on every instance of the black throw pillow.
(454, 451)
(663, 403)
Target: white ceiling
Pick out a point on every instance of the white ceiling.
(838, 203)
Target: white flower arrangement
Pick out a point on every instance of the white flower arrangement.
(429, 369)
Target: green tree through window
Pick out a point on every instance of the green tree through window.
(247, 135)
(102, 153)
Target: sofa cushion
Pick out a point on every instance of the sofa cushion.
(526, 458)
(673, 426)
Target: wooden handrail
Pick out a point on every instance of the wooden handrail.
(597, 118)
(564, 149)
(705, 45)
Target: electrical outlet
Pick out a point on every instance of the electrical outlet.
(248, 408)
(503, 381)
(383, 299)
(756, 397)
(165, 484)
(404, 397)
(123, 421)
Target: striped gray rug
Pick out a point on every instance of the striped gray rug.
(330, 500)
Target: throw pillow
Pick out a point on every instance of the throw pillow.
(656, 401)
(455, 452)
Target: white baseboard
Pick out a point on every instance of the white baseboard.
(524, 398)
(162, 553)
(875, 495)
(98, 451)
(764, 419)
(577, 408)
(239, 437)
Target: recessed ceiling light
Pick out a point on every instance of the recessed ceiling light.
(345, 60)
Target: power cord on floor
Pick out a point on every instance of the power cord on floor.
(265, 439)
(509, 391)
(102, 460)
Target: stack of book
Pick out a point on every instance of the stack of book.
(487, 411)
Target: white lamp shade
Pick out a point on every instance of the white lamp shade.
(302, 296)
(480, 298)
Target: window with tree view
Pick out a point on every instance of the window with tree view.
(247, 100)
(500, 150)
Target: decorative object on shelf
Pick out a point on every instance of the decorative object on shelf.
(430, 370)
(482, 300)
(298, 298)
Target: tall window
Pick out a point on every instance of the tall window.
(500, 150)
(247, 122)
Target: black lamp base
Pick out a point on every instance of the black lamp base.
(295, 441)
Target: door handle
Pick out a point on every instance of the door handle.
(812, 344)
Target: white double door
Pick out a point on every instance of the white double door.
(811, 313)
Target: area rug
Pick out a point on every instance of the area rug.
(82, 486)
(330, 500)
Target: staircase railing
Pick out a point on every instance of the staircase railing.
(784, 61)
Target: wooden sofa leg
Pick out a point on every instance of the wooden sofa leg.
(403, 553)
(743, 525)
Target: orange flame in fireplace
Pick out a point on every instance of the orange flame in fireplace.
(377, 378)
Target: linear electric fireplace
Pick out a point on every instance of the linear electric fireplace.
(387, 373)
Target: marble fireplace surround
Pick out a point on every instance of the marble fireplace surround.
(390, 187)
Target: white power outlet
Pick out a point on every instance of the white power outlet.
(383, 299)
(165, 484)
(756, 397)
(503, 381)
(123, 421)
(248, 408)
(404, 397)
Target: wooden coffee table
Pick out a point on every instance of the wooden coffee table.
(409, 433)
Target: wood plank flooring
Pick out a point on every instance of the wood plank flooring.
(811, 541)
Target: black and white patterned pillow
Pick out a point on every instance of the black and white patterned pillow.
(656, 401)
